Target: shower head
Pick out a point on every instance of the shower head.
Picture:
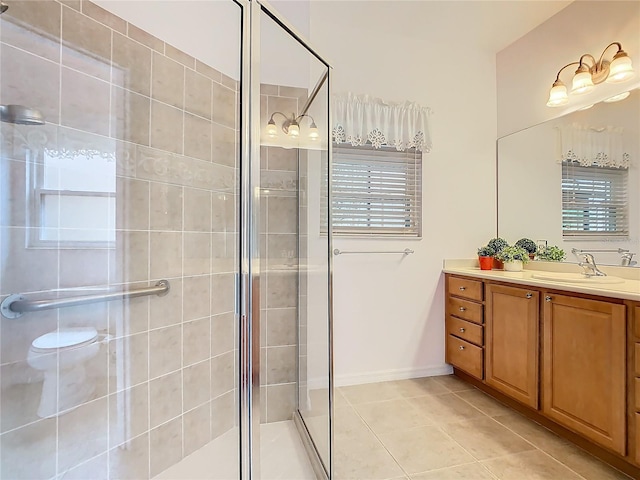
(3, 8)
(21, 115)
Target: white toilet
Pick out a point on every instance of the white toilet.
(74, 347)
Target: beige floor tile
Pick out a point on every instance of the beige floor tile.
(484, 402)
(369, 392)
(453, 383)
(533, 465)
(363, 457)
(485, 438)
(470, 471)
(383, 417)
(443, 409)
(532, 432)
(586, 464)
(348, 423)
(416, 387)
(424, 448)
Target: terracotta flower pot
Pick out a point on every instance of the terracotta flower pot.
(486, 263)
(497, 264)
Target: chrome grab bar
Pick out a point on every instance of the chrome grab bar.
(15, 305)
(406, 251)
(589, 250)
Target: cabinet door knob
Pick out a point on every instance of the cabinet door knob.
(462, 329)
(462, 309)
(461, 347)
(547, 298)
(462, 289)
(529, 295)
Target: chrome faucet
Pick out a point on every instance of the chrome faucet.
(588, 264)
(626, 259)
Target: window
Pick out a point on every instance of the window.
(376, 191)
(594, 201)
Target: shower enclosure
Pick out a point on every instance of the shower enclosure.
(165, 268)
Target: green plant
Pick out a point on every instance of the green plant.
(486, 251)
(551, 254)
(511, 254)
(497, 244)
(528, 244)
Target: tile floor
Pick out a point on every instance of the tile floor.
(440, 428)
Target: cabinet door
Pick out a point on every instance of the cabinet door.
(511, 342)
(584, 367)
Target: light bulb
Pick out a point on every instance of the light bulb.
(558, 95)
(582, 82)
(620, 69)
(617, 98)
(294, 130)
(271, 130)
(313, 132)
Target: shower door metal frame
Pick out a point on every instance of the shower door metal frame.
(249, 238)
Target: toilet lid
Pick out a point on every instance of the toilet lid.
(66, 337)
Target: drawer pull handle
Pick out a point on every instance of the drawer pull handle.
(547, 298)
(462, 289)
(529, 295)
(462, 329)
(461, 347)
(462, 309)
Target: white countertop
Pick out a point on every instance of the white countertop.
(629, 289)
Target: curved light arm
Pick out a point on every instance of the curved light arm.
(567, 65)
(617, 44)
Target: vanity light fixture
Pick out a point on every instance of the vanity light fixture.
(291, 126)
(591, 72)
(617, 98)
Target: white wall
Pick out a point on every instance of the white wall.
(527, 68)
(389, 310)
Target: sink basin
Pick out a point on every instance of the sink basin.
(576, 278)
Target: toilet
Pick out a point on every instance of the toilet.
(68, 388)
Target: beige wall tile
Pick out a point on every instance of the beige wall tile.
(133, 62)
(83, 267)
(167, 80)
(223, 286)
(197, 253)
(222, 374)
(197, 96)
(293, 92)
(75, 4)
(280, 402)
(165, 207)
(196, 384)
(21, 394)
(197, 297)
(167, 310)
(165, 399)
(196, 341)
(197, 210)
(282, 214)
(166, 127)
(103, 16)
(86, 44)
(281, 365)
(210, 72)
(145, 38)
(179, 56)
(223, 145)
(288, 106)
(223, 213)
(223, 414)
(85, 102)
(166, 446)
(165, 350)
(282, 249)
(197, 428)
(197, 137)
(282, 327)
(31, 81)
(268, 89)
(128, 414)
(166, 252)
(283, 159)
(12, 195)
(225, 107)
(282, 289)
(127, 317)
(132, 256)
(130, 116)
(131, 463)
(222, 333)
(125, 159)
(131, 192)
(95, 469)
(228, 82)
(132, 353)
(224, 252)
(29, 452)
(82, 433)
(24, 24)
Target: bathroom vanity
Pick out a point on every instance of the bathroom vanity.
(564, 352)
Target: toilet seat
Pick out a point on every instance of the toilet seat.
(64, 338)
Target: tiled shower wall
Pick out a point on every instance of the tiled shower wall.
(279, 241)
(162, 383)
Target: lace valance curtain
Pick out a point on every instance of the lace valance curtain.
(593, 146)
(361, 119)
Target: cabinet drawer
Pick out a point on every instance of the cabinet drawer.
(463, 287)
(465, 356)
(465, 309)
(464, 330)
(637, 390)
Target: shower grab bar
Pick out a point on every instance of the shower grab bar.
(589, 250)
(406, 251)
(15, 305)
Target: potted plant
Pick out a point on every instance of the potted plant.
(513, 258)
(551, 254)
(497, 244)
(485, 257)
(529, 245)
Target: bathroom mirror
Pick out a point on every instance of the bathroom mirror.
(574, 182)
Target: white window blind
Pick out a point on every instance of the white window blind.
(376, 191)
(594, 201)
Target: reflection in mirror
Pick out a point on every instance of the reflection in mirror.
(574, 182)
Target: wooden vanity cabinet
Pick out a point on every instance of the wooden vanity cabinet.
(584, 365)
(511, 341)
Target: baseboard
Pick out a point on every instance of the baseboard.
(389, 375)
